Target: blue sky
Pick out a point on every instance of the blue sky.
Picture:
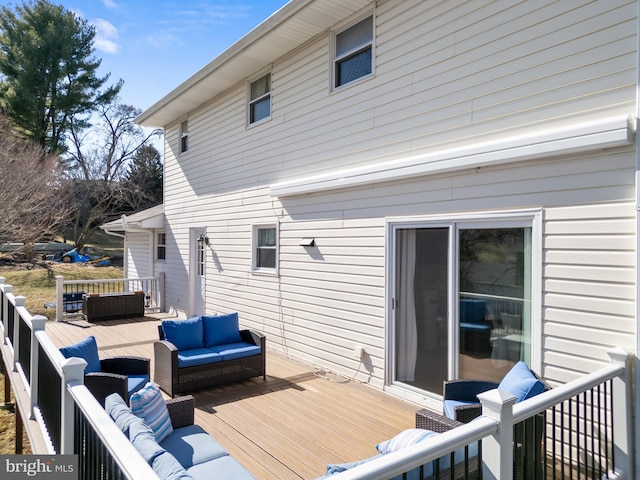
(154, 45)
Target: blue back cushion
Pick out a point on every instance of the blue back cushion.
(86, 349)
(184, 334)
(221, 329)
(521, 382)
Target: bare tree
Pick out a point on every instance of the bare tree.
(32, 205)
(97, 159)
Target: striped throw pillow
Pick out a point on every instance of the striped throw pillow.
(404, 439)
(148, 404)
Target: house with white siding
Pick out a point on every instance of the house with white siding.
(408, 191)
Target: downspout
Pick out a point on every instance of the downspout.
(636, 421)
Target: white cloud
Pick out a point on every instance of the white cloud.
(111, 4)
(106, 36)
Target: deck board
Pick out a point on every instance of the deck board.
(287, 427)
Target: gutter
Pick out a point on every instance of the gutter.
(255, 35)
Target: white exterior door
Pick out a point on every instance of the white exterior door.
(197, 269)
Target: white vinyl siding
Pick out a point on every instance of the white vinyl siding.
(139, 255)
(448, 74)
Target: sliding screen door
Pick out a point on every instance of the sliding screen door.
(462, 302)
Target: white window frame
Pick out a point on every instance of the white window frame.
(335, 59)
(254, 248)
(160, 245)
(184, 136)
(253, 101)
(499, 219)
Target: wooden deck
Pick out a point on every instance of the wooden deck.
(287, 427)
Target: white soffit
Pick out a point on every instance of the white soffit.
(606, 133)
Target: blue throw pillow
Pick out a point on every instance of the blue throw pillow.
(86, 349)
(521, 382)
(184, 334)
(221, 329)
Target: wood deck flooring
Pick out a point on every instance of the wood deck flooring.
(287, 427)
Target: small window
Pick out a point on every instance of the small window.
(260, 99)
(184, 136)
(354, 52)
(161, 246)
(266, 247)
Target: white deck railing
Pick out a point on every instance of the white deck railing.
(59, 413)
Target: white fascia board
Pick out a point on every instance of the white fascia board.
(606, 133)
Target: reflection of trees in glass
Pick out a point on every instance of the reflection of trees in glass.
(491, 260)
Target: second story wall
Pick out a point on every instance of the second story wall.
(446, 74)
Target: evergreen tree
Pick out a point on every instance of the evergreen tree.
(49, 72)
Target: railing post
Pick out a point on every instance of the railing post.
(5, 309)
(623, 424)
(160, 292)
(37, 325)
(72, 374)
(59, 292)
(497, 450)
(19, 302)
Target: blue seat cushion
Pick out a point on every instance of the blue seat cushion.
(221, 329)
(223, 468)
(191, 445)
(521, 382)
(86, 349)
(136, 382)
(236, 350)
(197, 356)
(449, 407)
(184, 334)
(144, 440)
(168, 468)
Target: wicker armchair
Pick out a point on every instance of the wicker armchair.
(466, 391)
(123, 375)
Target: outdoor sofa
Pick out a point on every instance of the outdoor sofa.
(204, 351)
(175, 448)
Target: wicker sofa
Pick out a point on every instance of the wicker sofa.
(187, 452)
(204, 351)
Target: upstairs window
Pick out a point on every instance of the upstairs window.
(260, 99)
(161, 246)
(354, 52)
(184, 136)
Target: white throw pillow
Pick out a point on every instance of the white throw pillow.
(148, 404)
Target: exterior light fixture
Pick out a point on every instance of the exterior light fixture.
(203, 240)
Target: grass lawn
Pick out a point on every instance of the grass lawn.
(38, 284)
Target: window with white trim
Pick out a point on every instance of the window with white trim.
(260, 99)
(353, 52)
(161, 246)
(184, 136)
(265, 248)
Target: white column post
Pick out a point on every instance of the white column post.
(160, 292)
(59, 291)
(5, 309)
(497, 450)
(37, 325)
(622, 397)
(72, 374)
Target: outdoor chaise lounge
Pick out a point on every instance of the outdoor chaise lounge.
(204, 351)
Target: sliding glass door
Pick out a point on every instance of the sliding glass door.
(461, 301)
